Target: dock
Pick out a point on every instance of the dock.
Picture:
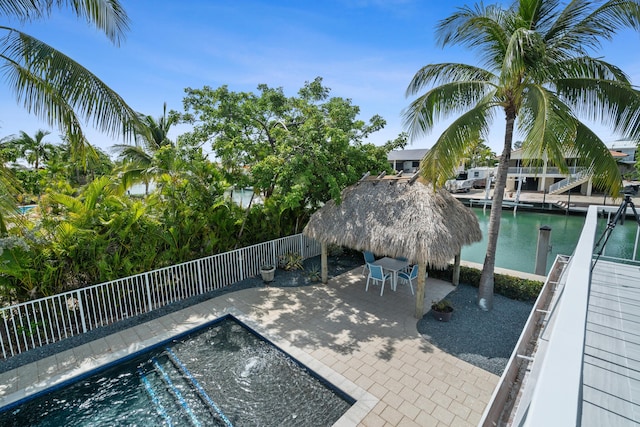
(576, 204)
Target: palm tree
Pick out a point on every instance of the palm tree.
(139, 161)
(538, 73)
(32, 149)
(54, 87)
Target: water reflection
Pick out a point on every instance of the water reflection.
(518, 238)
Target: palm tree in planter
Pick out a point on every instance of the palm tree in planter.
(537, 72)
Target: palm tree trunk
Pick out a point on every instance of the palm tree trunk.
(485, 288)
(244, 220)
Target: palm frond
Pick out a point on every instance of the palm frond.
(582, 25)
(9, 187)
(524, 53)
(441, 160)
(613, 103)
(477, 27)
(72, 204)
(133, 153)
(96, 190)
(53, 86)
(537, 15)
(106, 15)
(24, 10)
(440, 74)
(548, 125)
(585, 67)
(442, 102)
(605, 169)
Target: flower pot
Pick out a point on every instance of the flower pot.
(267, 274)
(443, 316)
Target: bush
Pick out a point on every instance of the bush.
(511, 287)
(291, 261)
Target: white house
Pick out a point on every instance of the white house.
(547, 177)
(407, 161)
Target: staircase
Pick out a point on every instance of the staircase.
(176, 395)
(571, 182)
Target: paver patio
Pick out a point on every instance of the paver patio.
(362, 342)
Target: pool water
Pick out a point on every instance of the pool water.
(26, 208)
(222, 375)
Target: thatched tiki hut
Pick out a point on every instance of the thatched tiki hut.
(397, 217)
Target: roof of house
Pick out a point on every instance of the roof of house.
(414, 154)
(618, 154)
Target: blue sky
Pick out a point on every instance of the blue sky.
(365, 50)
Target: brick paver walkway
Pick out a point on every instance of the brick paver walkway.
(366, 344)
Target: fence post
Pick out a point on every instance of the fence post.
(200, 281)
(81, 308)
(273, 253)
(544, 237)
(241, 263)
(149, 301)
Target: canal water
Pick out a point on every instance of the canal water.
(518, 238)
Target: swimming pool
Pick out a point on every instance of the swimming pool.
(26, 208)
(221, 374)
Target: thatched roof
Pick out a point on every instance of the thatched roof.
(395, 217)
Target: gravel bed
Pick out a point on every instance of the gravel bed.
(485, 339)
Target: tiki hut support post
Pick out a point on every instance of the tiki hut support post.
(323, 263)
(456, 270)
(422, 279)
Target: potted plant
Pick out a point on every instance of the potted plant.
(442, 310)
(267, 271)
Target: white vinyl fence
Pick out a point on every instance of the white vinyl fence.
(46, 320)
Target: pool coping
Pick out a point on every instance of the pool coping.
(57, 370)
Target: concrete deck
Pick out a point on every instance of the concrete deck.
(364, 343)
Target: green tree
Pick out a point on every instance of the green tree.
(138, 160)
(538, 73)
(53, 86)
(479, 154)
(296, 152)
(32, 149)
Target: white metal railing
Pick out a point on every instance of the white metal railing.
(522, 352)
(537, 170)
(581, 175)
(556, 402)
(525, 170)
(533, 371)
(46, 320)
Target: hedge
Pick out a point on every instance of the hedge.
(511, 287)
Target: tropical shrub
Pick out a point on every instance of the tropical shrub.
(508, 286)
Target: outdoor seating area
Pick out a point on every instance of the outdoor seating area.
(440, 227)
(388, 269)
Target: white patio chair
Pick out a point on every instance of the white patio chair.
(368, 258)
(377, 275)
(404, 277)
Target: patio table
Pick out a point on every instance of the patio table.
(393, 265)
